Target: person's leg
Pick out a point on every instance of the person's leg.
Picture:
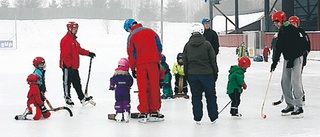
(196, 99)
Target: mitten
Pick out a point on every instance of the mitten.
(111, 87)
(134, 73)
(244, 86)
(290, 64)
(92, 55)
(273, 66)
(43, 109)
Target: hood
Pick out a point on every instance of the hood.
(197, 40)
(235, 68)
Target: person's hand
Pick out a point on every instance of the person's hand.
(43, 109)
(134, 73)
(92, 55)
(111, 87)
(244, 86)
(215, 77)
(290, 64)
(273, 66)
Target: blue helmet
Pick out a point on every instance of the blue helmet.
(128, 24)
(205, 20)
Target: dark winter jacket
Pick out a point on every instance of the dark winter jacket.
(289, 43)
(121, 81)
(199, 56)
(213, 38)
(306, 45)
(235, 79)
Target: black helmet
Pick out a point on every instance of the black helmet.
(179, 56)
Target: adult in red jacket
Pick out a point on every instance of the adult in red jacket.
(70, 50)
(34, 103)
(144, 50)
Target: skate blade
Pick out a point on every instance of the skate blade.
(286, 114)
(155, 119)
(142, 120)
(297, 116)
(92, 102)
(69, 106)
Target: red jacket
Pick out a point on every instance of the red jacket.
(144, 46)
(34, 96)
(70, 50)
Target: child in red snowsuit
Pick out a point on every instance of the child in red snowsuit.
(266, 53)
(35, 104)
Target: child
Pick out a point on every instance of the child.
(39, 65)
(35, 104)
(242, 50)
(236, 84)
(166, 82)
(181, 84)
(266, 53)
(121, 82)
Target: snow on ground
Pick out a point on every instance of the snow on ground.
(42, 37)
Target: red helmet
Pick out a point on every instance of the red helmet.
(38, 61)
(244, 62)
(33, 78)
(72, 24)
(279, 16)
(294, 19)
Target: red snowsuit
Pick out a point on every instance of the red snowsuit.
(70, 50)
(144, 51)
(34, 102)
(266, 52)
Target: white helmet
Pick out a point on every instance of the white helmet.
(197, 27)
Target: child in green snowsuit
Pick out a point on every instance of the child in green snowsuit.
(165, 83)
(236, 84)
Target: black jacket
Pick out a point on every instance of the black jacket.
(290, 43)
(213, 38)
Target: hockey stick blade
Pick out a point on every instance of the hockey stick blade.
(277, 102)
(61, 108)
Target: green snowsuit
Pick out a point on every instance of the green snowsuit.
(235, 79)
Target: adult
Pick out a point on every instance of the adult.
(70, 50)
(200, 68)
(289, 45)
(144, 49)
(211, 35)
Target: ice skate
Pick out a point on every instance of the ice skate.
(118, 117)
(156, 117)
(236, 116)
(198, 122)
(126, 116)
(287, 111)
(86, 100)
(297, 113)
(69, 103)
(143, 117)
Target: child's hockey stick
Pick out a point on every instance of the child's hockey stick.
(58, 108)
(265, 97)
(225, 107)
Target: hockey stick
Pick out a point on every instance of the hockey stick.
(86, 89)
(58, 108)
(225, 107)
(278, 102)
(265, 97)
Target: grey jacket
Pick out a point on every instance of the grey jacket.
(199, 56)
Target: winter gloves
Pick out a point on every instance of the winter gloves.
(92, 55)
(244, 86)
(273, 66)
(43, 109)
(290, 64)
(134, 73)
